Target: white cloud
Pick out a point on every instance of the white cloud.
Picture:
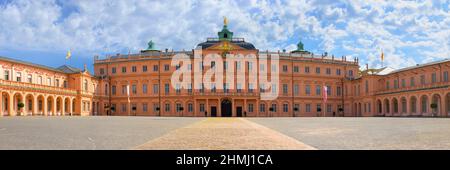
(356, 28)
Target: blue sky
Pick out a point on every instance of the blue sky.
(409, 32)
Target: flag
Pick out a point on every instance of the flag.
(382, 55)
(325, 94)
(128, 93)
(68, 55)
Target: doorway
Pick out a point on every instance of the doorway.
(226, 108)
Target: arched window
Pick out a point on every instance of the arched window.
(85, 85)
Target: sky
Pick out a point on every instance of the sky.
(408, 32)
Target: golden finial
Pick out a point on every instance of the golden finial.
(225, 21)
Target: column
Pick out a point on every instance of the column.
(233, 110)
(245, 108)
(442, 107)
(70, 107)
(408, 107)
(54, 106)
(207, 108)
(63, 107)
(11, 105)
(195, 108)
(35, 105)
(1, 104)
(219, 108)
(257, 108)
(44, 108)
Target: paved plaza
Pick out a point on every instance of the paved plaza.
(223, 133)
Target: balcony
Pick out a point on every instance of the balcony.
(23, 86)
(437, 85)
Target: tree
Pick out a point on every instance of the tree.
(20, 105)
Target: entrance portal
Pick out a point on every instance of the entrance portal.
(226, 108)
(239, 111)
(213, 111)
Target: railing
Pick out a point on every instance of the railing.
(417, 87)
(233, 39)
(36, 87)
(227, 94)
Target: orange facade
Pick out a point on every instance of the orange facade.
(140, 84)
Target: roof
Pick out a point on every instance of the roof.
(243, 44)
(2, 58)
(421, 65)
(69, 69)
(62, 69)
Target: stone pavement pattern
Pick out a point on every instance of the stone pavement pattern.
(224, 133)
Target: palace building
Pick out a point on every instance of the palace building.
(140, 84)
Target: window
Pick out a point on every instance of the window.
(387, 85)
(250, 108)
(189, 88)
(329, 90)
(6, 75)
(113, 89)
(274, 68)
(318, 70)
(338, 72)
(213, 64)
(133, 69)
(262, 107)
(124, 89)
(167, 107)
(30, 78)
(296, 69)
(144, 88)
(403, 83)
(156, 107)
(124, 108)
(308, 107)
(422, 79)
(113, 70)
(133, 89)
(350, 73)
(274, 88)
(155, 88)
(177, 67)
(262, 67)
(395, 84)
(190, 107)
(274, 107)
(144, 68)
(296, 90)
(40, 80)
(102, 71)
(65, 86)
(166, 88)
(262, 87)
(225, 87)
(306, 69)
(225, 65)
(57, 82)
(329, 107)
(178, 107)
(285, 89)
(166, 67)
(238, 65)
(250, 66)
(318, 107)
(155, 68)
(144, 107)
(433, 78)
(124, 69)
(202, 107)
(285, 107)
(412, 82)
(297, 106)
(285, 68)
(85, 85)
(239, 87)
(308, 89)
(328, 71)
(338, 91)
(18, 76)
(445, 76)
(318, 90)
(213, 87)
(189, 66)
(250, 87)
(177, 88)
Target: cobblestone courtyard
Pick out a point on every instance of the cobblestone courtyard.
(223, 133)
